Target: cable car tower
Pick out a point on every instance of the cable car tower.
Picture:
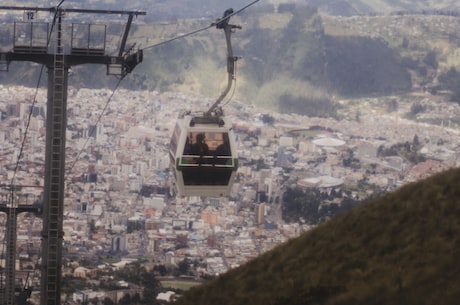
(12, 204)
(44, 44)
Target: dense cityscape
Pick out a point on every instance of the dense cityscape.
(119, 206)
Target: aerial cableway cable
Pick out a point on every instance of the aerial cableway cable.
(93, 129)
(220, 20)
(226, 17)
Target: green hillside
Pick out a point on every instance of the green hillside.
(360, 7)
(298, 59)
(289, 64)
(401, 248)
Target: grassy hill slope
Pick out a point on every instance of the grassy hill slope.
(296, 61)
(359, 7)
(401, 248)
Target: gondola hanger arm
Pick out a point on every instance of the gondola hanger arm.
(228, 28)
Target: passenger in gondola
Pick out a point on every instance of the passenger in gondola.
(187, 146)
(223, 150)
(200, 148)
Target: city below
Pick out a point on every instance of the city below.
(119, 205)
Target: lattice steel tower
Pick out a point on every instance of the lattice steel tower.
(43, 43)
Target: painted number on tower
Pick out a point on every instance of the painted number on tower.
(30, 16)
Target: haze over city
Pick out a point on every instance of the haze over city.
(310, 144)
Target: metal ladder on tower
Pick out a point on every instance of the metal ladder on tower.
(54, 211)
(10, 251)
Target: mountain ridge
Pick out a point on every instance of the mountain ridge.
(400, 248)
(295, 60)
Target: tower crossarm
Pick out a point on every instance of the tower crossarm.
(125, 63)
(90, 49)
(70, 10)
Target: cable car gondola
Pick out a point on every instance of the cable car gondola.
(204, 157)
(202, 149)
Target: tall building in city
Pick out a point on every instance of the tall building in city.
(260, 214)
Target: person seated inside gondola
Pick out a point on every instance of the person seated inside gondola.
(199, 148)
(222, 152)
(187, 146)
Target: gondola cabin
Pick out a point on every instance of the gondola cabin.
(203, 157)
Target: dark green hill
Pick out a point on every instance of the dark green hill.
(401, 248)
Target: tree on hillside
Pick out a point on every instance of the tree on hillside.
(313, 106)
(301, 205)
(361, 65)
(125, 300)
(268, 119)
(450, 80)
(137, 274)
(184, 267)
(303, 44)
(286, 8)
(392, 105)
(415, 109)
(431, 59)
(107, 301)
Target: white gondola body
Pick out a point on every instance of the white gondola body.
(207, 172)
